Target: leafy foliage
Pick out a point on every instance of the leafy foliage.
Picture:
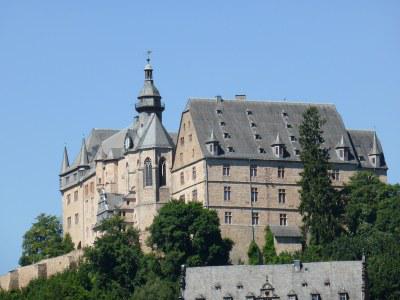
(114, 261)
(157, 289)
(254, 254)
(320, 205)
(44, 240)
(188, 234)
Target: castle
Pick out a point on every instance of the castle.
(238, 157)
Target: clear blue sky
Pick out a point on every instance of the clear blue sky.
(68, 66)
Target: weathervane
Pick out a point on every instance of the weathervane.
(148, 56)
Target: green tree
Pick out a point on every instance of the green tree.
(320, 205)
(363, 194)
(156, 289)
(269, 252)
(44, 240)
(188, 234)
(254, 254)
(114, 260)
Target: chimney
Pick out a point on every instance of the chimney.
(240, 97)
(219, 98)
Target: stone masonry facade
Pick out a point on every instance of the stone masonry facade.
(238, 157)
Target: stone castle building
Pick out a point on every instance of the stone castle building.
(238, 157)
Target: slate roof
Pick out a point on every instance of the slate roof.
(363, 144)
(285, 231)
(325, 278)
(243, 120)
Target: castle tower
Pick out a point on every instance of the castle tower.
(149, 99)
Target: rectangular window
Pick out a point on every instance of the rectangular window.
(75, 176)
(254, 218)
(182, 197)
(281, 172)
(92, 187)
(182, 178)
(227, 193)
(68, 199)
(182, 140)
(194, 173)
(282, 196)
(190, 137)
(335, 175)
(76, 218)
(253, 170)
(315, 297)
(67, 180)
(181, 157)
(76, 196)
(254, 194)
(86, 190)
(194, 195)
(343, 296)
(69, 222)
(226, 170)
(228, 217)
(283, 220)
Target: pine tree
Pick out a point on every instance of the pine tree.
(269, 252)
(254, 254)
(319, 202)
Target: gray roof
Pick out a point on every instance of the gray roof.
(285, 231)
(363, 143)
(149, 90)
(243, 120)
(65, 162)
(325, 278)
(155, 135)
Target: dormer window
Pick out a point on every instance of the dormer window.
(284, 114)
(249, 112)
(292, 297)
(219, 111)
(257, 137)
(297, 152)
(278, 150)
(222, 123)
(288, 125)
(315, 297)
(211, 148)
(261, 150)
(292, 138)
(230, 149)
(226, 135)
(253, 125)
(343, 296)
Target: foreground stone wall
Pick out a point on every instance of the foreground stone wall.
(20, 277)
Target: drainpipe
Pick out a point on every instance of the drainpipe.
(207, 194)
(251, 202)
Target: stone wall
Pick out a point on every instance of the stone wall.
(20, 277)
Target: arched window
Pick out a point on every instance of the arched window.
(148, 173)
(162, 171)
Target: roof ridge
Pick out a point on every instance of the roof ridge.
(260, 101)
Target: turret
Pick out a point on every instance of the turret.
(83, 159)
(374, 154)
(149, 99)
(65, 162)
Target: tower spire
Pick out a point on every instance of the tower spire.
(65, 161)
(83, 155)
(149, 99)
